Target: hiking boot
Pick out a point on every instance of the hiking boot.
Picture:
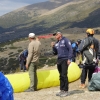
(82, 86)
(59, 93)
(64, 94)
(29, 90)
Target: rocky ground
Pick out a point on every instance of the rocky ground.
(50, 93)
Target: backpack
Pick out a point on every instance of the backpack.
(89, 49)
(75, 48)
(94, 84)
(89, 42)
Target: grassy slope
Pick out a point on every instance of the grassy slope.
(73, 14)
(66, 16)
(24, 14)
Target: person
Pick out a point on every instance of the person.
(89, 49)
(63, 49)
(75, 49)
(32, 61)
(22, 59)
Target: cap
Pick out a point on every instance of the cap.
(90, 31)
(56, 33)
(31, 35)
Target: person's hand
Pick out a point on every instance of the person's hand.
(52, 44)
(68, 61)
(27, 67)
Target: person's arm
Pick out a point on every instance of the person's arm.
(70, 50)
(54, 48)
(30, 54)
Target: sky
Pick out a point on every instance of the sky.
(7, 6)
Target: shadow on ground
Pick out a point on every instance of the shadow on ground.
(76, 92)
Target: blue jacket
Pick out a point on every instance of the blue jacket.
(63, 49)
(23, 55)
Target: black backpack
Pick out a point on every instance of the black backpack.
(87, 42)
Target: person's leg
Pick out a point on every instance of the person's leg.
(33, 76)
(24, 67)
(64, 78)
(21, 65)
(83, 75)
(91, 71)
(60, 71)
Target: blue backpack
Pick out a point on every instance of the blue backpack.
(75, 48)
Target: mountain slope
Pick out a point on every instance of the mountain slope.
(26, 13)
(68, 15)
(82, 14)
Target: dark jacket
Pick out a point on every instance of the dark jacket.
(84, 45)
(63, 49)
(89, 53)
(23, 55)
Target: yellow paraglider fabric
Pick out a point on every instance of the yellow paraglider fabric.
(46, 78)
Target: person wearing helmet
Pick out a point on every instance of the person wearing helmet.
(89, 49)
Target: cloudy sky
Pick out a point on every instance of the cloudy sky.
(10, 5)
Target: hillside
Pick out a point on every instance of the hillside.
(24, 14)
(59, 15)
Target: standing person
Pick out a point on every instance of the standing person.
(89, 49)
(75, 49)
(32, 60)
(22, 59)
(63, 49)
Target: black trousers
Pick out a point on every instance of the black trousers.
(63, 70)
(87, 69)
